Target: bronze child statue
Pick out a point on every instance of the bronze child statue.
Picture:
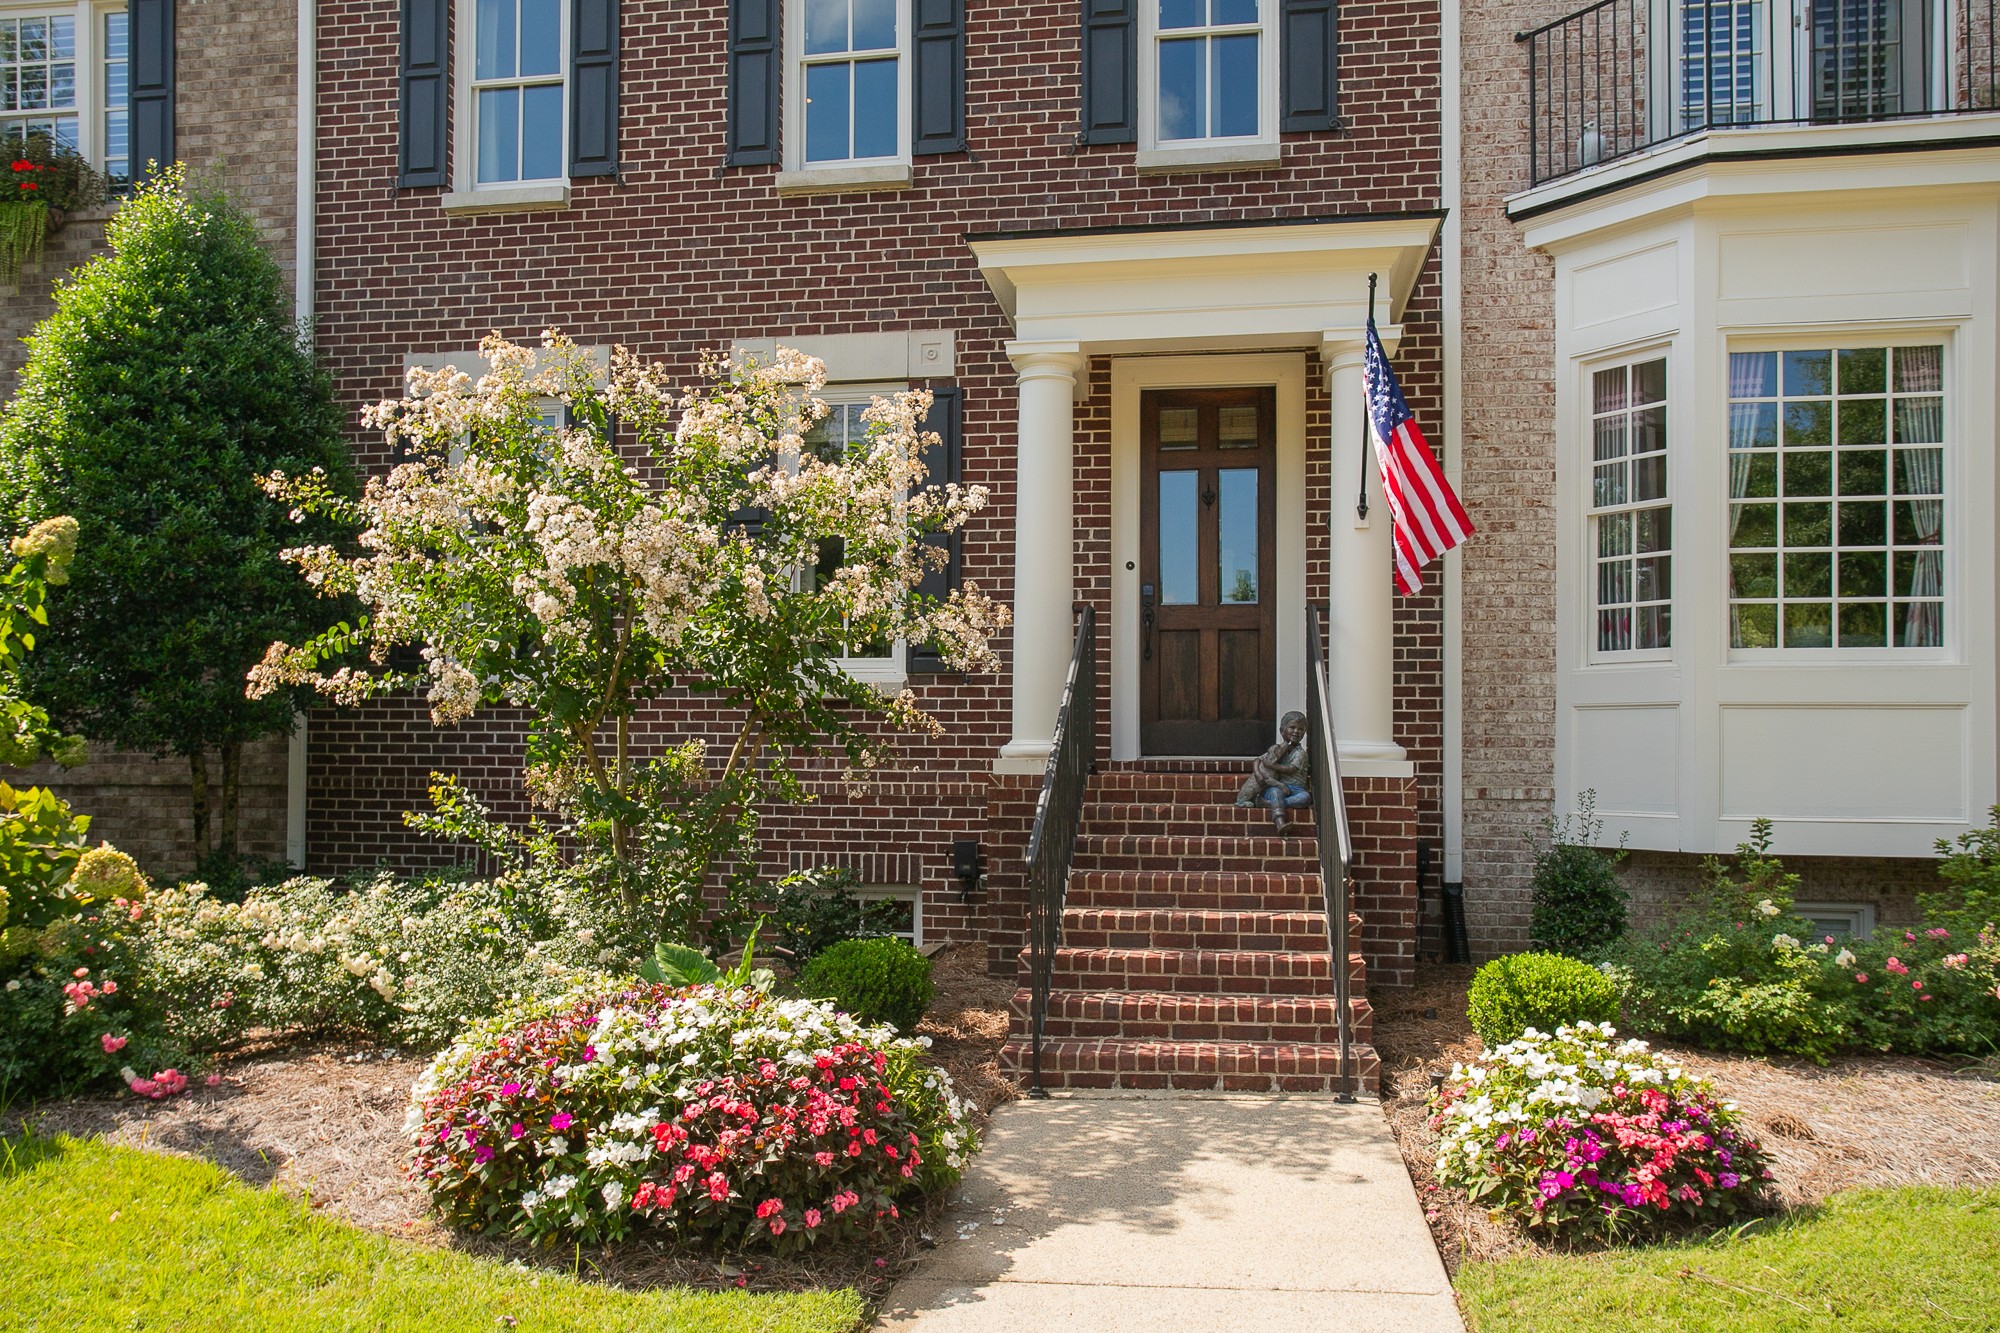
(1282, 776)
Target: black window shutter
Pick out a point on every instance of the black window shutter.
(593, 88)
(1110, 71)
(756, 72)
(1307, 56)
(425, 74)
(150, 92)
(947, 418)
(939, 77)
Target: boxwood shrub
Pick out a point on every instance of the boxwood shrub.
(877, 981)
(1537, 990)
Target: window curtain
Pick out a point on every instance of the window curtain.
(1749, 377)
(1923, 473)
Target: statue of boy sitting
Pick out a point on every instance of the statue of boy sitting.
(1282, 776)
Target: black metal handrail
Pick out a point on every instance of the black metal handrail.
(1058, 811)
(1622, 76)
(1336, 841)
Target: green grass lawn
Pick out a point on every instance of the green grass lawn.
(1878, 1260)
(98, 1237)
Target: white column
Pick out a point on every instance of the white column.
(1044, 546)
(1361, 624)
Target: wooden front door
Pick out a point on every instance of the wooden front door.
(1207, 588)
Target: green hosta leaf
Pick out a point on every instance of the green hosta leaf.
(679, 965)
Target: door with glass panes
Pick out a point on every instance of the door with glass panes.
(1208, 617)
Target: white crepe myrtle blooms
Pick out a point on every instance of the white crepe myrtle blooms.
(578, 571)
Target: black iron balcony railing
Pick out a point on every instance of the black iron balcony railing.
(1626, 75)
(1336, 841)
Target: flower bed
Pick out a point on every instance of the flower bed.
(723, 1115)
(1580, 1134)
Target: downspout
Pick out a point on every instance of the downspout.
(304, 245)
(1451, 188)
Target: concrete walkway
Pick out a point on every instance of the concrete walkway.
(1199, 1213)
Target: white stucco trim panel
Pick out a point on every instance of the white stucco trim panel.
(1871, 752)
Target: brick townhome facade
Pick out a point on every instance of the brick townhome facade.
(681, 253)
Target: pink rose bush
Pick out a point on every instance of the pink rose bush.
(724, 1116)
(1580, 1134)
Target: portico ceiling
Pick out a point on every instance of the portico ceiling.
(1266, 285)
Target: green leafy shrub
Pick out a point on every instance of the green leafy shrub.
(1970, 868)
(1579, 902)
(170, 377)
(1934, 990)
(1537, 990)
(1734, 971)
(408, 960)
(813, 910)
(878, 981)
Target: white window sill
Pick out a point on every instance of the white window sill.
(844, 180)
(1207, 157)
(507, 199)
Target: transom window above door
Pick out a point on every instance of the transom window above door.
(517, 90)
(1211, 70)
(850, 80)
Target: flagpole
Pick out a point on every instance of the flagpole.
(1367, 428)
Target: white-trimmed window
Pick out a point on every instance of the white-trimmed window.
(62, 78)
(513, 100)
(865, 656)
(1837, 489)
(1209, 72)
(1631, 519)
(850, 84)
(909, 900)
(1854, 921)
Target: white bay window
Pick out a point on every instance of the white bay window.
(1631, 520)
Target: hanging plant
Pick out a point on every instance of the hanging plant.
(45, 182)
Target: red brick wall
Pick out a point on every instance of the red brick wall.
(684, 253)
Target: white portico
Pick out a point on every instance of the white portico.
(1214, 322)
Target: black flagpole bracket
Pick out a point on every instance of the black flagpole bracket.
(1367, 427)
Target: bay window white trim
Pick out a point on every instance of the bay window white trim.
(89, 108)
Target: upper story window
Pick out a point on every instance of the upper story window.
(62, 79)
(1631, 522)
(516, 91)
(851, 81)
(1837, 484)
(1211, 64)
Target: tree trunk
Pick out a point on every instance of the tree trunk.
(232, 774)
(198, 800)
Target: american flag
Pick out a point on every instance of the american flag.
(1429, 518)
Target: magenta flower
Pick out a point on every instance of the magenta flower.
(515, 1130)
(482, 1154)
(510, 1089)
(560, 1121)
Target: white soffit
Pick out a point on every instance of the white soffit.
(1210, 288)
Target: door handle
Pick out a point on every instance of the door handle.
(1146, 621)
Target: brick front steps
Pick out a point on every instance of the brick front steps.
(1194, 950)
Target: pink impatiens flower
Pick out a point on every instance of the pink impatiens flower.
(1861, 978)
(560, 1121)
(813, 1217)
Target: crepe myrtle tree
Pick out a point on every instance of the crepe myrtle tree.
(576, 572)
(169, 379)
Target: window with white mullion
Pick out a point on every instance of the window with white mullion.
(40, 51)
(1837, 497)
(114, 142)
(850, 72)
(1631, 521)
(1209, 71)
(517, 91)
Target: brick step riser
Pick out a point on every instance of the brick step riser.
(1226, 822)
(1179, 862)
(1231, 931)
(1203, 972)
(1147, 1016)
(1154, 1067)
(1142, 900)
(1224, 891)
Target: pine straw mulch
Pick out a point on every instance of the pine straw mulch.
(1865, 1120)
(325, 1122)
